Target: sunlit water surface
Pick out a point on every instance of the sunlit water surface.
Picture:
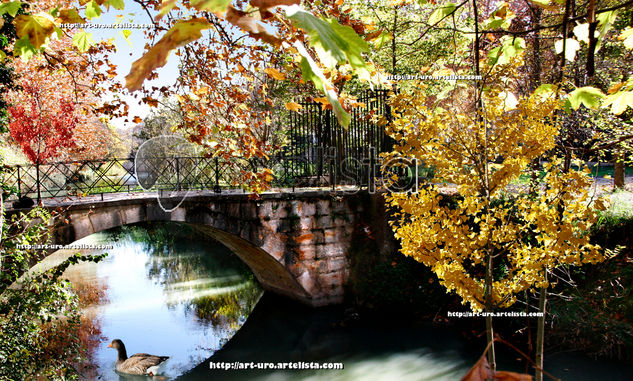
(163, 289)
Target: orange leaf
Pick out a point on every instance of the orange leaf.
(249, 24)
(274, 73)
(293, 106)
(480, 371)
(182, 33)
(511, 376)
(137, 119)
(265, 4)
(615, 87)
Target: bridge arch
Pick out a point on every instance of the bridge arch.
(295, 244)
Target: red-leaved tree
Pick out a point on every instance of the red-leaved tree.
(42, 131)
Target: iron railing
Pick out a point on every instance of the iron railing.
(320, 153)
(89, 177)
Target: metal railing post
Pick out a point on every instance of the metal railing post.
(178, 174)
(216, 188)
(37, 176)
(19, 183)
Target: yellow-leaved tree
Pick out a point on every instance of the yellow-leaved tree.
(497, 237)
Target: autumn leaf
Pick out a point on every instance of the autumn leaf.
(265, 4)
(211, 5)
(619, 101)
(37, 28)
(180, 34)
(274, 73)
(511, 376)
(137, 120)
(627, 38)
(70, 16)
(480, 371)
(249, 24)
(293, 106)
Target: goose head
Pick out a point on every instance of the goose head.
(120, 347)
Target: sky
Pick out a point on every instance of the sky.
(126, 55)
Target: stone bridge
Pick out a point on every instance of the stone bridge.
(296, 244)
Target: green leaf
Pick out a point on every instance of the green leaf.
(116, 4)
(126, 35)
(619, 101)
(605, 20)
(211, 5)
(588, 96)
(627, 37)
(24, 49)
(509, 48)
(571, 47)
(333, 42)
(442, 12)
(12, 8)
(496, 23)
(310, 71)
(93, 10)
(83, 41)
(545, 90)
(382, 39)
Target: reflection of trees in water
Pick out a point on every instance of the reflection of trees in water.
(86, 330)
(195, 270)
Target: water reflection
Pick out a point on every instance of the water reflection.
(163, 289)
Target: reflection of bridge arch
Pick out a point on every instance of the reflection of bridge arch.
(295, 244)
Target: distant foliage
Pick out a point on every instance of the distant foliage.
(40, 132)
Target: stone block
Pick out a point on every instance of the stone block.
(272, 209)
(331, 250)
(304, 239)
(105, 219)
(303, 208)
(333, 234)
(323, 207)
(336, 264)
(132, 214)
(324, 222)
(305, 223)
(330, 281)
(306, 253)
(179, 214)
(81, 225)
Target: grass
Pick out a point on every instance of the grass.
(601, 171)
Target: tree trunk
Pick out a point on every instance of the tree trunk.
(490, 336)
(540, 332)
(618, 169)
